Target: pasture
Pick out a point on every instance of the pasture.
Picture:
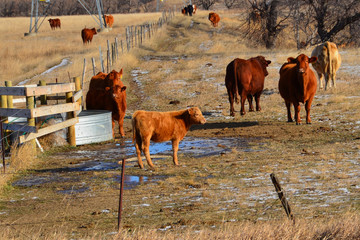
(222, 188)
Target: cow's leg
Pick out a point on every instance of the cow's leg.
(327, 82)
(333, 78)
(288, 107)
(121, 124)
(138, 147)
(257, 100)
(146, 151)
(231, 101)
(321, 80)
(243, 98)
(307, 108)
(175, 147)
(250, 100)
(297, 113)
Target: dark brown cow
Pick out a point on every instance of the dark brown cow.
(246, 78)
(160, 127)
(109, 19)
(55, 23)
(87, 35)
(214, 19)
(107, 92)
(297, 85)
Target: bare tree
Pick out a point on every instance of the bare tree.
(206, 4)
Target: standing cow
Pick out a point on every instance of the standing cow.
(107, 92)
(214, 19)
(55, 23)
(109, 19)
(328, 63)
(297, 85)
(245, 79)
(87, 35)
(160, 127)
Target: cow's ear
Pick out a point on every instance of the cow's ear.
(312, 59)
(190, 111)
(107, 88)
(291, 60)
(123, 88)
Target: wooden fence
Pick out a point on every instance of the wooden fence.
(70, 104)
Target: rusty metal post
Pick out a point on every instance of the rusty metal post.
(2, 143)
(282, 198)
(121, 193)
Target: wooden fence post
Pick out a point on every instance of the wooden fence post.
(108, 47)
(116, 48)
(282, 198)
(122, 46)
(71, 129)
(78, 87)
(43, 98)
(30, 103)
(83, 75)
(9, 98)
(101, 60)
(93, 64)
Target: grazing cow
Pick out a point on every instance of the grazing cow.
(107, 92)
(246, 77)
(297, 85)
(87, 35)
(109, 19)
(328, 63)
(55, 23)
(160, 127)
(214, 19)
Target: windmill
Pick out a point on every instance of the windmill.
(37, 16)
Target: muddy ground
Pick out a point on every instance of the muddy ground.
(225, 164)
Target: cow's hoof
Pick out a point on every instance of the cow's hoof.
(308, 122)
(251, 110)
(242, 113)
(232, 114)
(298, 123)
(290, 120)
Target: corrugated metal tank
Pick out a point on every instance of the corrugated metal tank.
(94, 126)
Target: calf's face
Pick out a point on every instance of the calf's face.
(302, 63)
(196, 116)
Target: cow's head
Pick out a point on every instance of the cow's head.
(302, 62)
(116, 86)
(115, 76)
(264, 64)
(93, 30)
(196, 116)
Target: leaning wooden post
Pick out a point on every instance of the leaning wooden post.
(78, 87)
(93, 64)
(121, 193)
(43, 98)
(71, 129)
(84, 72)
(101, 60)
(109, 53)
(282, 198)
(30, 104)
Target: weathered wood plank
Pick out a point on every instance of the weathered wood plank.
(15, 112)
(54, 109)
(77, 96)
(14, 91)
(19, 127)
(55, 97)
(50, 89)
(49, 129)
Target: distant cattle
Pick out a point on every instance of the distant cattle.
(297, 85)
(160, 127)
(188, 10)
(87, 35)
(107, 92)
(328, 63)
(109, 19)
(245, 79)
(55, 23)
(214, 19)
(194, 8)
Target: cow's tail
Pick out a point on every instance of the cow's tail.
(237, 96)
(327, 44)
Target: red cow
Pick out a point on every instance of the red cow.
(160, 127)
(107, 92)
(87, 35)
(194, 8)
(246, 77)
(297, 85)
(109, 19)
(214, 19)
(55, 23)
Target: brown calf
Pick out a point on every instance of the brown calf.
(297, 85)
(87, 35)
(160, 127)
(214, 19)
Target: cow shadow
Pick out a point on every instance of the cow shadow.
(222, 125)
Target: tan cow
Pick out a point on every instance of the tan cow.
(328, 63)
(160, 127)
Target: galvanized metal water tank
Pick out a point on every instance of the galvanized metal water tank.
(94, 126)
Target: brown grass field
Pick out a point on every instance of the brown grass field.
(225, 194)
